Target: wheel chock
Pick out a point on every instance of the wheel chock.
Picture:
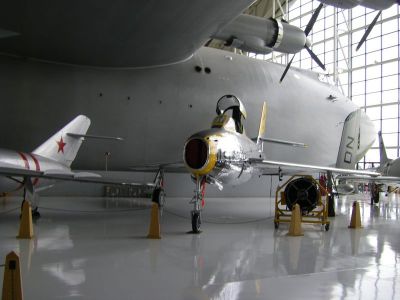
(154, 228)
(295, 222)
(12, 286)
(26, 226)
(355, 221)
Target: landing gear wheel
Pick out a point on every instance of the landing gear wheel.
(158, 196)
(276, 225)
(326, 227)
(374, 194)
(196, 221)
(36, 213)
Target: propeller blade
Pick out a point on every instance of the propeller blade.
(315, 58)
(309, 27)
(313, 19)
(287, 69)
(368, 31)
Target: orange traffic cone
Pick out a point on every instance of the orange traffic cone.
(295, 222)
(355, 221)
(154, 229)
(26, 226)
(12, 286)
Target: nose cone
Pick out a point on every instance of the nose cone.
(199, 156)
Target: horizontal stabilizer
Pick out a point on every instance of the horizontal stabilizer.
(282, 142)
(99, 137)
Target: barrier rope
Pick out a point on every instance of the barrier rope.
(214, 222)
(10, 210)
(94, 211)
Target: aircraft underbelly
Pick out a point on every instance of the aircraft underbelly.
(233, 174)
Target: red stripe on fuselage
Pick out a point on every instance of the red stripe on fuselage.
(24, 159)
(26, 163)
(37, 167)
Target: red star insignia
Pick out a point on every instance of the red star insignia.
(61, 145)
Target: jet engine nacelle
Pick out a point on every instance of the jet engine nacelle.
(373, 4)
(262, 36)
(345, 188)
(304, 192)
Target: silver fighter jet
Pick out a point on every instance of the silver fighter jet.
(51, 161)
(225, 155)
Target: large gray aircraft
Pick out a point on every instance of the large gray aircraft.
(138, 69)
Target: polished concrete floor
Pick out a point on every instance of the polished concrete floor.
(95, 248)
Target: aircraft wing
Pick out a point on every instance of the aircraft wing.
(390, 180)
(169, 167)
(113, 34)
(286, 166)
(13, 171)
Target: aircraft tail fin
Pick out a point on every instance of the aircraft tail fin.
(261, 129)
(382, 150)
(350, 142)
(63, 147)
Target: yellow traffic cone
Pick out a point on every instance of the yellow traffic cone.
(12, 287)
(154, 229)
(355, 221)
(295, 222)
(26, 226)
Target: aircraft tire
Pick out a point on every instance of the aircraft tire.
(196, 222)
(36, 213)
(158, 196)
(375, 198)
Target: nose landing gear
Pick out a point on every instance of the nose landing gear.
(198, 203)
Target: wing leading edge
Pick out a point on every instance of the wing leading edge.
(11, 171)
(268, 164)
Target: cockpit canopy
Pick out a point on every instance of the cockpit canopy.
(228, 102)
(227, 105)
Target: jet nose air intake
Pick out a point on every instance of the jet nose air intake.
(199, 156)
(196, 153)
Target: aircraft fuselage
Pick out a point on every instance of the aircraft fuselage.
(27, 161)
(226, 157)
(156, 109)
